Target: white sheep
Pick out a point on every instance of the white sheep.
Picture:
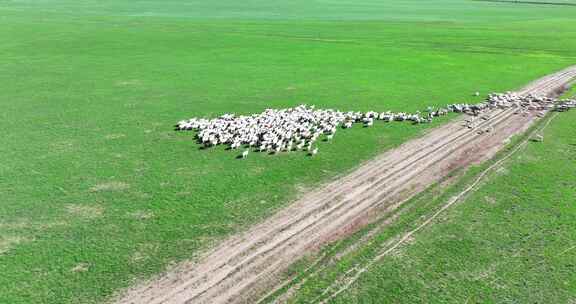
(314, 152)
(276, 130)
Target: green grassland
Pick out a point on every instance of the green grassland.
(96, 189)
(513, 240)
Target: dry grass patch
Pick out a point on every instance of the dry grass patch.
(62, 146)
(115, 136)
(129, 82)
(110, 186)
(15, 225)
(143, 252)
(502, 171)
(8, 243)
(81, 267)
(27, 224)
(82, 211)
(141, 215)
(490, 200)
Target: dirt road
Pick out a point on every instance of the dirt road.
(246, 265)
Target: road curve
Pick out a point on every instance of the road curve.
(244, 266)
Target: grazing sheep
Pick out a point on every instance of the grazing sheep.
(314, 152)
(277, 130)
(537, 138)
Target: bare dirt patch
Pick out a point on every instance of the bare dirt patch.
(246, 265)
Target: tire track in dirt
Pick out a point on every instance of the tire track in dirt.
(346, 282)
(245, 265)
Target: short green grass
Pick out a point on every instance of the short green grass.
(512, 241)
(97, 191)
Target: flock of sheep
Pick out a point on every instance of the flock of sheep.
(299, 128)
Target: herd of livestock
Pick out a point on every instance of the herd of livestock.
(292, 129)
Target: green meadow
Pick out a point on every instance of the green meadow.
(513, 240)
(98, 192)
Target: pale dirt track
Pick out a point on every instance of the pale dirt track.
(246, 265)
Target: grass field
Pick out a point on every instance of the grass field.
(511, 241)
(98, 192)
